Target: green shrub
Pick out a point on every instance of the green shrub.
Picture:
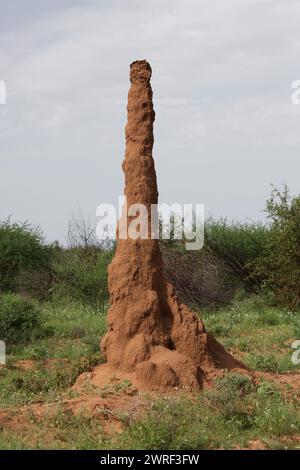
(264, 256)
(22, 248)
(237, 244)
(18, 317)
(81, 274)
(279, 264)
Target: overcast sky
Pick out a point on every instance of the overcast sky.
(222, 72)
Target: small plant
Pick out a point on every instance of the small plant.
(228, 397)
(35, 352)
(265, 363)
(273, 414)
(119, 387)
(18, 317)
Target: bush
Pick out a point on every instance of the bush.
(18, 317)
(81, 274)
(22, 248)
(237, 244)
(199, 278)
(279, 264)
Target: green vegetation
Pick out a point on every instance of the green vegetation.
(265, 257)
(235, 413)
(232, 414)
(22, 248)
(259, 258)
(279, 264)
(53, 304)
(259, 334)
(30, 267)
(80, 274)
(40, 383)
(69, 331)
(238, 245)
(18, 317)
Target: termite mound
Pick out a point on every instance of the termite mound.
(150, 332)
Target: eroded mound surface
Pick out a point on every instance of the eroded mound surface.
(150, 332)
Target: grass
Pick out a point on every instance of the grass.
(65, 345)
(230, 415)
(259, 335)
(68, 331)
(40, 383)
(235, 413)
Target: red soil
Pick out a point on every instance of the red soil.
(150, 332)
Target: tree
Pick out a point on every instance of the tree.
(279, 265)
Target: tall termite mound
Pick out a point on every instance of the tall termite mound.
(149, 331)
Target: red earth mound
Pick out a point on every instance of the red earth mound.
(149, 331)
